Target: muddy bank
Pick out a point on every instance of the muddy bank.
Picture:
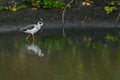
(82, 17)
(86, 14)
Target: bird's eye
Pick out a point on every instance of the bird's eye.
(40, 23)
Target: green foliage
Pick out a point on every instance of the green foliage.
(15, 8)
(53, 4)
(109, 9)
(47, 4)
(112, 6)
(21, 7)
(36, 4)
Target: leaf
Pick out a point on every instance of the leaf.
(113, 8)
(106, 8)
(14, 9)
(22, 7)
(112, 3)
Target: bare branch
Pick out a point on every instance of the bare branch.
(63, 14)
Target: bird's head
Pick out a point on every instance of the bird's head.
(40, 23)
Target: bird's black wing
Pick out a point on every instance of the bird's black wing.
(28, 27)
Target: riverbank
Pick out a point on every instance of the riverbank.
(82, 17)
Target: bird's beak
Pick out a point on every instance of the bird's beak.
(45, 24)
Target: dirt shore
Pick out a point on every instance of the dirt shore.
(80, 16)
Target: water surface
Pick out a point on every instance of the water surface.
(59, 58)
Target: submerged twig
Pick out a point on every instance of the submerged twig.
(63, 15)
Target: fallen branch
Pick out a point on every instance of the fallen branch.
(63, 15)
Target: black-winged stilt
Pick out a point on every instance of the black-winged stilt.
(31, 29)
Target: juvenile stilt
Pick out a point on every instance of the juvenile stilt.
(32, 29)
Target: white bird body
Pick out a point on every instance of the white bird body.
(31, 29)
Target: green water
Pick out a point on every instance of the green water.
(63, 58)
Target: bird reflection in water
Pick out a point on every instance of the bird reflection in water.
(35, 49)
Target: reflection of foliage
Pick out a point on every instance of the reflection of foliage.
(87, 41)
(111, 38)
(112, 6)
(56, 44)
(65, 43)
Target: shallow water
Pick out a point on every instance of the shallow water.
(59, 58)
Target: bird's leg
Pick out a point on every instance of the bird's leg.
(33, 38)
(27, 38)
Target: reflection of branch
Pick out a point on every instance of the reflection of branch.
(63, 14)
